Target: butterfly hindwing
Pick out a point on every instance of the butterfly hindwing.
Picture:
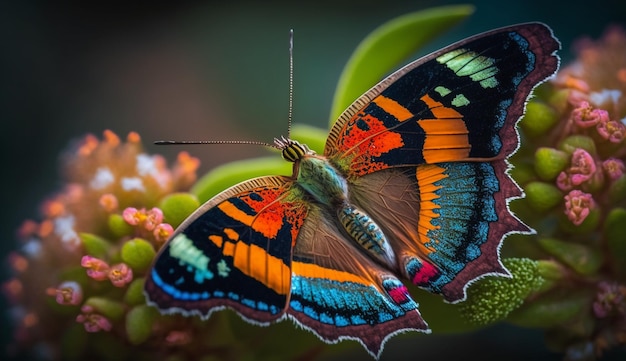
(340, 293)
(235, 251)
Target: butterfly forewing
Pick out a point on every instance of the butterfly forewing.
(459, 103)
(234, 252)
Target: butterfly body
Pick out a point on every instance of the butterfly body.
(320, 180)
(412, 185)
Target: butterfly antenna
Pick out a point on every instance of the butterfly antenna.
(290, 114)
(187, 142)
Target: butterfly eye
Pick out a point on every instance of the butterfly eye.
(292, 150)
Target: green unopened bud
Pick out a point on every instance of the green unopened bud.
(615, 233)
(581, 258)
(138, 254)
(549, 162)
(539, 118)
(139, 321)
(134, 294)
(491, 299)
(118, 226)
(94, 245)
(542, 196)
(559, 100)
(178, 206)
(617, 190)
(111, 309)
(550, 309)
(573, 142)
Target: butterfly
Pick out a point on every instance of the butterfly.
(413, 186)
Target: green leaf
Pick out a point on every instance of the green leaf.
(551, 309)
(229, 174)
(387, 46)
(581, 258)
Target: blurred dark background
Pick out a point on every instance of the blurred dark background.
(209, 70)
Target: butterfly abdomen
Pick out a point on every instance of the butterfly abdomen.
(364, 231)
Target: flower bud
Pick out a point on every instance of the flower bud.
(95, 245)
(539, 118)
(138, 254)
(573, 142)
(542, 196)
(139, 321)
(549, 162)
(178, 206)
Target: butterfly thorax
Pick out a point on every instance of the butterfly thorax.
(324, 183)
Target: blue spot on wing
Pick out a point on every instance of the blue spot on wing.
(342, 304)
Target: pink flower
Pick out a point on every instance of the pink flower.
(93, 322)
(585, 116)
(68, 293)
(131, 216)
(162, 232)
(564, 182)
(612, 130)
(96, 268)
(109, 202)
(583, 167)
(120, 275)
(578, 206)
(613, 167)
(142, 218)
(610, 299)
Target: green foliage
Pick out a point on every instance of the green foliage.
(385, 48)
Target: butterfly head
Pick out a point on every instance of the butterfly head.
(291, 149)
